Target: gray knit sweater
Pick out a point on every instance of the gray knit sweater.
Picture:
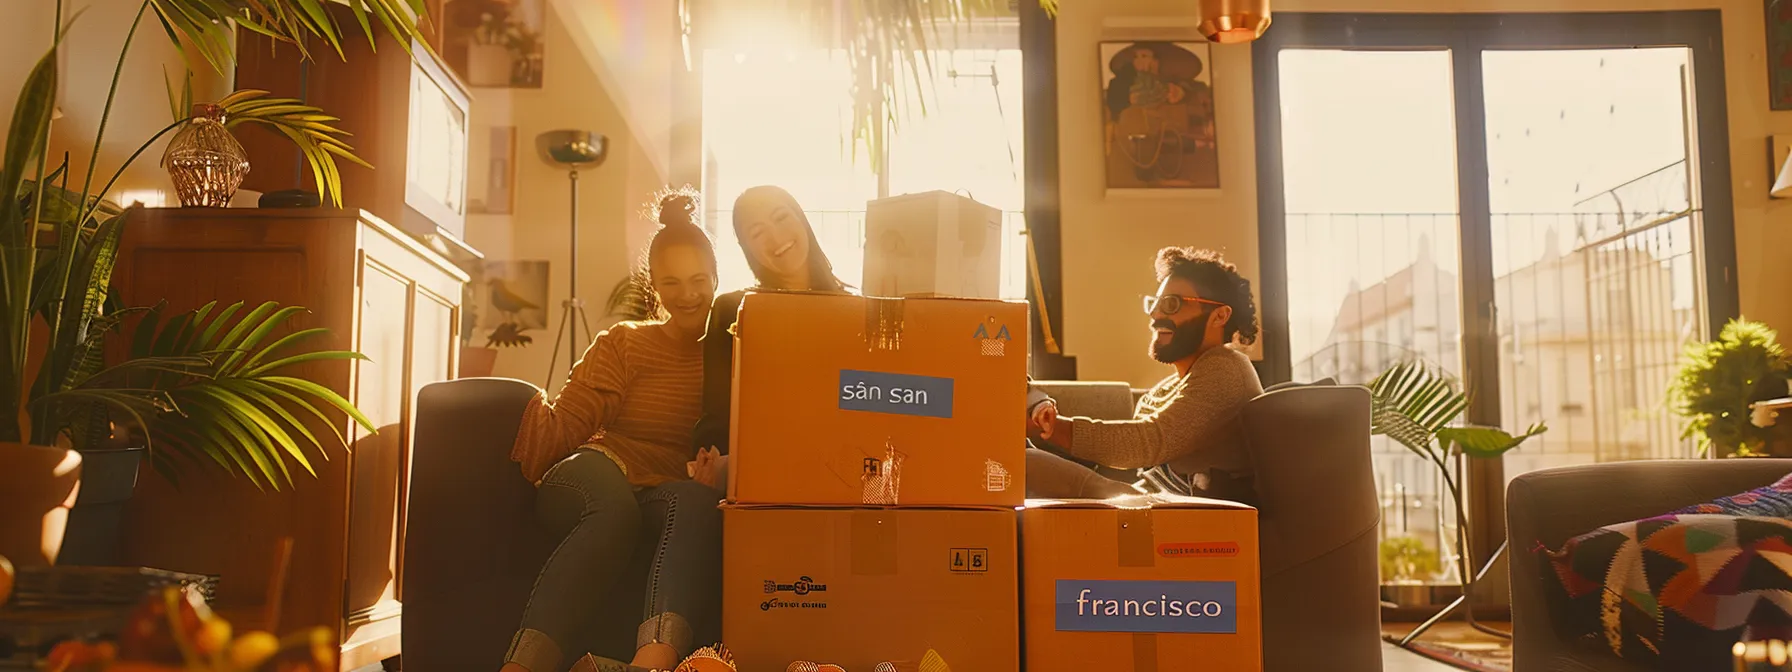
(1190, 423)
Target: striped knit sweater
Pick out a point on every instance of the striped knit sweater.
(635, 395)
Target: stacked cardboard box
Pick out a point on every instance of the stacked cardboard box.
(876, 463)
(1146, 583)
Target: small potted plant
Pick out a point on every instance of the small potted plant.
(1718, 382)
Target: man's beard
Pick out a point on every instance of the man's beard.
(1185, 340)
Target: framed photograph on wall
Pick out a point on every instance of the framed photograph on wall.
(515, 291)
(1158, 126)
(1779, 54)
(495, 193)
(495, 43)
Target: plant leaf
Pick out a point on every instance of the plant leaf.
(1486, 442)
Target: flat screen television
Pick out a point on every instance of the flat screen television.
(436, 150)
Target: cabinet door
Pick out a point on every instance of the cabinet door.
(408, 321)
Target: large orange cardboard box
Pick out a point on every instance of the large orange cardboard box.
(1154, 582)
(848, 401)
(859, 587)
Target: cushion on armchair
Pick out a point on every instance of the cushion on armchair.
(1675, 591)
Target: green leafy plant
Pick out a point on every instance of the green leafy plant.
(1417, 405)
(1406, 558)
(208, 383)
(633, 299)
(58, 245)
(1718, 381)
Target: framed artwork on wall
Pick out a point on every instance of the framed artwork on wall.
(515, 291)
(496, 192)
(495, 43)
(1158, 126)
(1779, 54)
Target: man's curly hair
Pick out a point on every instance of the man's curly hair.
(1216, 280)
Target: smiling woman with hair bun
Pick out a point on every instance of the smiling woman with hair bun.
(609, 458)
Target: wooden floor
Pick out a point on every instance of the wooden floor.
(1396, 659)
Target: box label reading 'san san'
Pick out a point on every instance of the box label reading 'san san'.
(1147, 606)
(896, 393)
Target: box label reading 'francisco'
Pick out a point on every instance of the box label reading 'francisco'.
(1147, 606)
(896, 393)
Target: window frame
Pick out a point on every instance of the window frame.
(1468, 36)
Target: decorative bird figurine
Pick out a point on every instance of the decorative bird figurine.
(507, 301)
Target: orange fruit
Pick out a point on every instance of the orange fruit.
(6, 574)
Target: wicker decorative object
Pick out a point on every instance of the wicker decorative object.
(205, 160)
(75, 587)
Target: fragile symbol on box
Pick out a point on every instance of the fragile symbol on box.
(970, 560)
(996, 477)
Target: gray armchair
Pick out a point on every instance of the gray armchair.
(1317, 516)
(472, 546)
(1551, 506)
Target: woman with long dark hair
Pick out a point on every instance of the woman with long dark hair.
(784, 254)
(610, 457)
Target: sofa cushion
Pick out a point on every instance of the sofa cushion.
(1675, 591)
(1769, 500)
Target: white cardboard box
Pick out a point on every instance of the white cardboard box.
(933, 243)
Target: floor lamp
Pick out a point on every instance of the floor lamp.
(572, 150)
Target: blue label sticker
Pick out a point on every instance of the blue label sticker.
(897, 393)
(1148, 606)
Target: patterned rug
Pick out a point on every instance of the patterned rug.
(1457, 645)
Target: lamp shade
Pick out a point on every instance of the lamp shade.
(1782, 182)
(1233, 21)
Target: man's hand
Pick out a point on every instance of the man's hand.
(707, 466)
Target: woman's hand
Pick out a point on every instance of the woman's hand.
(1044, 419)
(707, 466)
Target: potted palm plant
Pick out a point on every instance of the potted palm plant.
(196, 387)
(1419, 406)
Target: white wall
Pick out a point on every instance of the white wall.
(576, 93)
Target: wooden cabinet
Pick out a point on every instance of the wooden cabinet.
(378, 292)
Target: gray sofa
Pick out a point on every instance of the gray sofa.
(1549, 507)
(472, 548)
(1317, 517)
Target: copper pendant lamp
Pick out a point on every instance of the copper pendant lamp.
(1233, 21)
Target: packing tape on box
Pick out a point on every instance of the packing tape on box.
(1136, 539)
(1144, 652)
(881, 479)
(876, 539)
(1137, 544)
(883, 324)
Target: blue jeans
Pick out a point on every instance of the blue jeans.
(604, 521)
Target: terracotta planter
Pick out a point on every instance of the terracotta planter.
(37, 486)
(477, 362)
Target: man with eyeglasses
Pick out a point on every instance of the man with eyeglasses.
(1185, 436)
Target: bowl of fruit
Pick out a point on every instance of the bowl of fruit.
(173, 630)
